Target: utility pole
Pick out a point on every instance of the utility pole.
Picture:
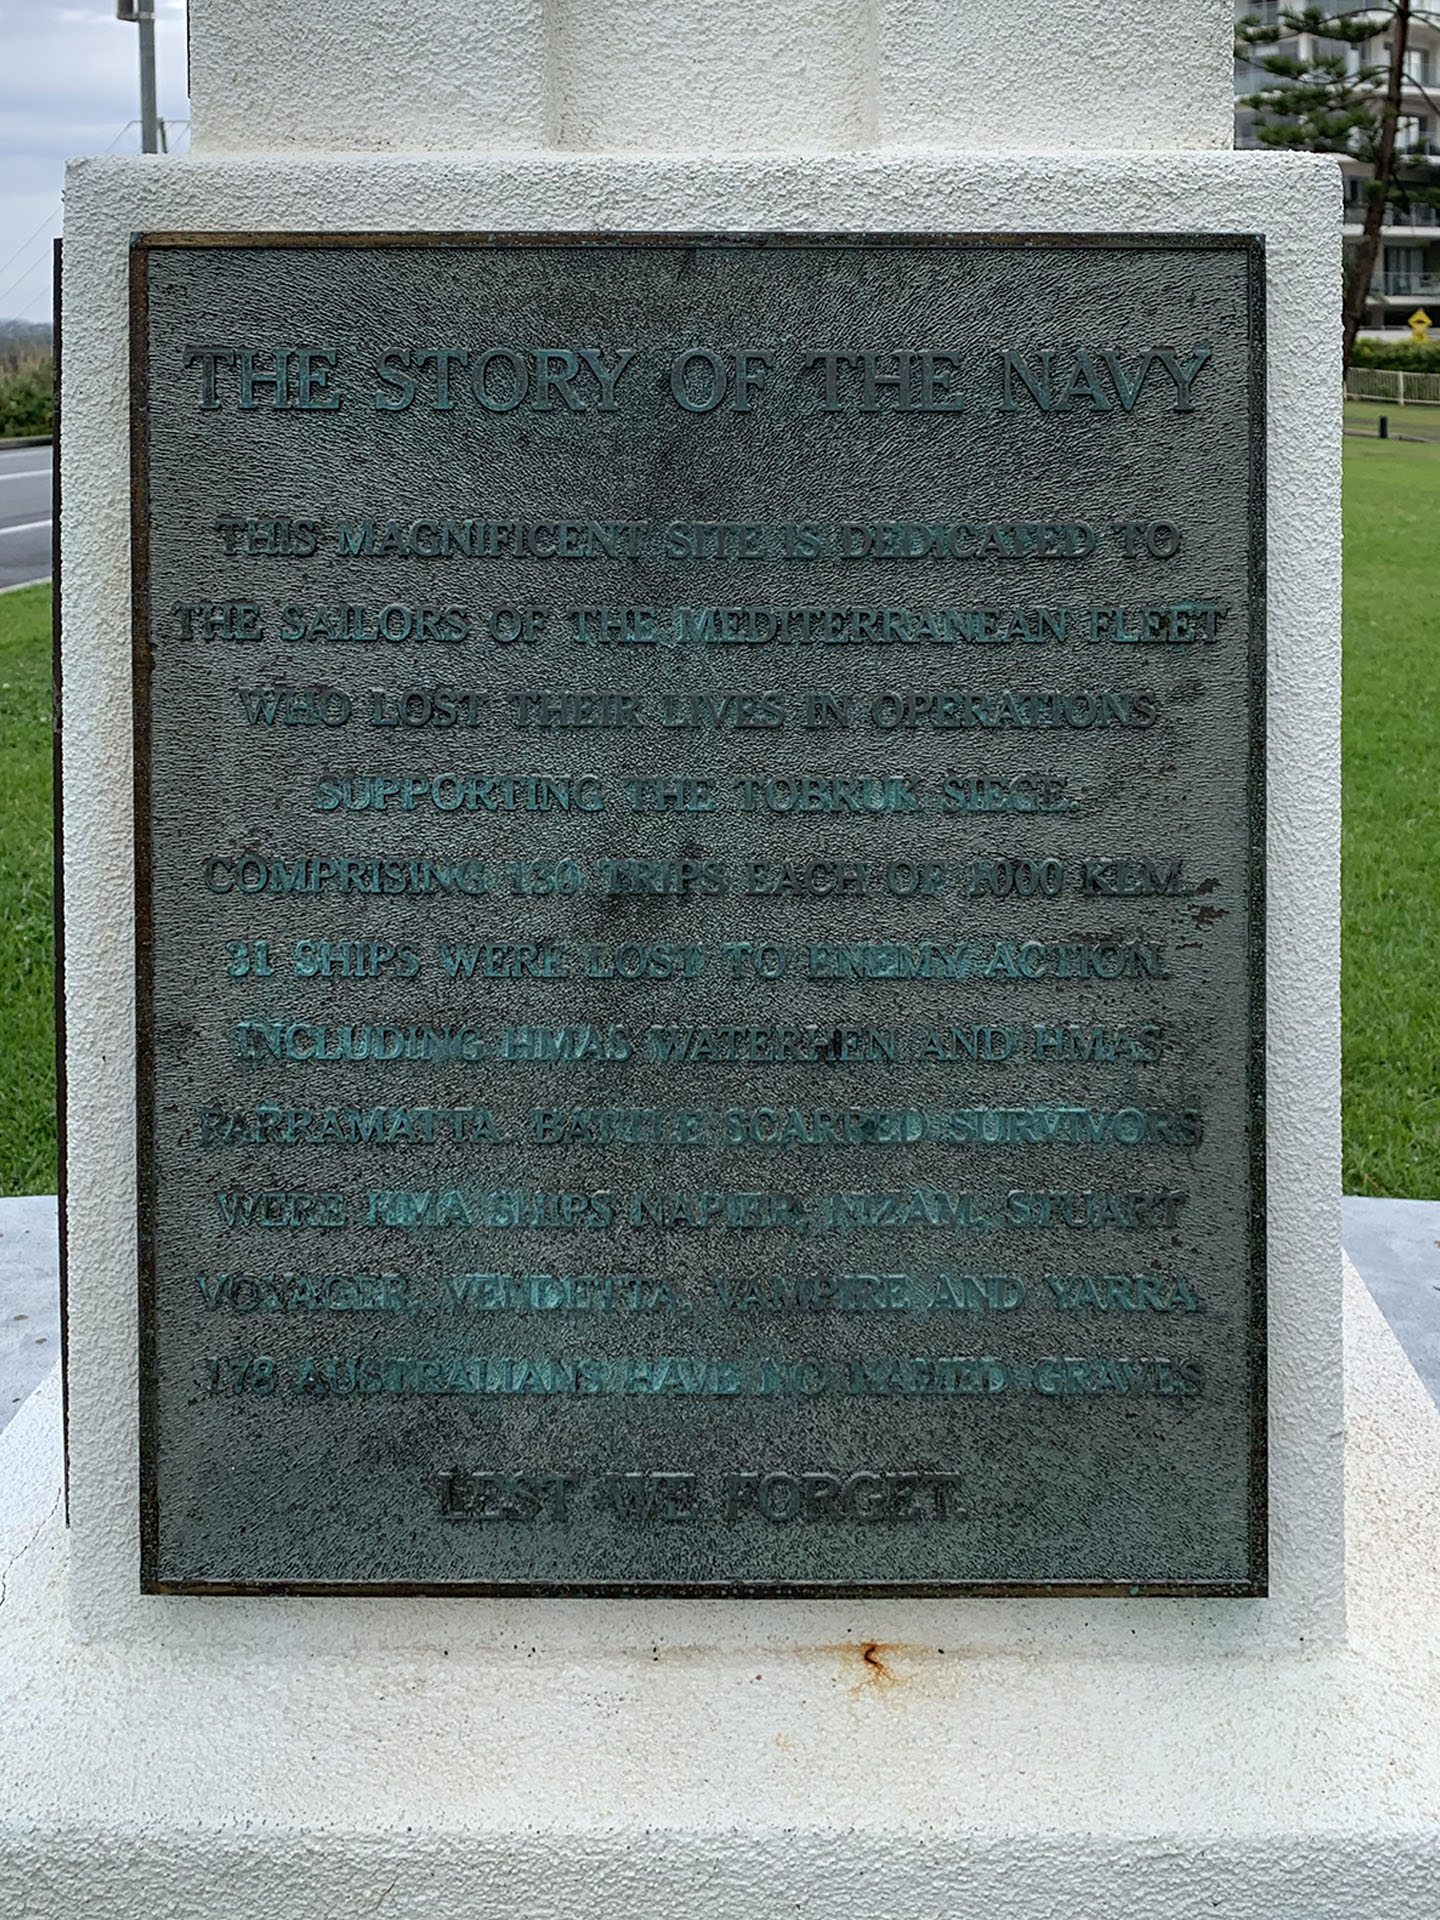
(142, 14)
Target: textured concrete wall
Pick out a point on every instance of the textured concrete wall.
(693, 75)
(1293, 201)
(367, 75)
(965, 1759)
(721, 75)
(1003, 73)
(518, 1774)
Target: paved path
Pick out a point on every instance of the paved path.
(1395, 1244)
(1406, 423)
(29, 1297)
(24, 515)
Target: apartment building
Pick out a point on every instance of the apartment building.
(1407, 273)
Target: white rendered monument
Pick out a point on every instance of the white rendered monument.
(299, 1757)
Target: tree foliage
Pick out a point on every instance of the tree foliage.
(1315, 99)
(26, 391)
(1398, 356)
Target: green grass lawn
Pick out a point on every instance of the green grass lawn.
(1392, 842)
(1406, 423)
(1391, 912)
(27, 944)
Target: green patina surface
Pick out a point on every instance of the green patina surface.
(1392, 842)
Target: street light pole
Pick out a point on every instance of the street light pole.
(142, 14)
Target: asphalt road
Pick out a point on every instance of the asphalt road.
(24, 515)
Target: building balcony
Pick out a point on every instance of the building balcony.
(1428, 230)
(1405, 286)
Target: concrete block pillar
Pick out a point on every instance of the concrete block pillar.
(375, 77)
(1133, 74)
(742, 76)
(612, 76)
(865, 1759)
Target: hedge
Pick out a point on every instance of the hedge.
(26, 395)
(1402, 356)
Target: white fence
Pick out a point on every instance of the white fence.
(1388, 383)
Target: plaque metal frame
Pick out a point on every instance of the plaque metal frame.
(1257, 1531)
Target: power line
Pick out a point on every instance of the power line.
(50, 219)
(20, 278)
(47, 221)
(43, 294)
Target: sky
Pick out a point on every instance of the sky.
(69, 84)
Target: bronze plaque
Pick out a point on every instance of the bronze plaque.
(700, 913)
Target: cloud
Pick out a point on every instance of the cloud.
(68, 85)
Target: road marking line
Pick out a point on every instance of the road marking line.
(26, 526)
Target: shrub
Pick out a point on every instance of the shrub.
(26, 394)
(1401, 356)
